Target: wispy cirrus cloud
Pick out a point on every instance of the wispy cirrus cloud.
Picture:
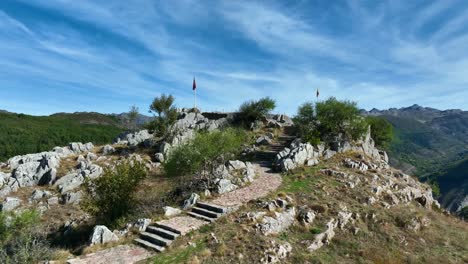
(72, 55)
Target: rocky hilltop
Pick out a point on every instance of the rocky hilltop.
(433, 144)
(285, 201)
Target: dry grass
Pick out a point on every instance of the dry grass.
(67, 165)
(380, 240)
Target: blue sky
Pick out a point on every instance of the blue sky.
(69, 55)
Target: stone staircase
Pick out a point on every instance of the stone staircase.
(269, 154)
(207, 212)
(160, 236)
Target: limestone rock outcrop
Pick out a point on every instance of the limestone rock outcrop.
(276, 252)
(37, 169)
(133, 139)
(232, 175)
(101, 235)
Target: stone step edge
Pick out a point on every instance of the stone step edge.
(147, 244)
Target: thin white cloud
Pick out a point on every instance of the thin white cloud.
(380, 63)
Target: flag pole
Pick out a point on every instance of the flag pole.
(195, 99)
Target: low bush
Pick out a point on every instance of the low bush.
(19, 238)
(381, 131)
(111, 196)
(166, 112)
(254, 110)
(329, 121)
(197, 155)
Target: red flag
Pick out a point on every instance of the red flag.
(194, 84)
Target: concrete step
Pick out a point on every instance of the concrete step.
(168, 228)
(202, 217)
(211, 207)
(148, 244)
(155, 239)
(162, 232)
(206, 212)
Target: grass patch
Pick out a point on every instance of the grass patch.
(179, 255)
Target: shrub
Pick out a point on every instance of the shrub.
(111, 196)
(166, 114)
(329, 121)
(205, 148)
(306, 125)
(339, 119)
(381, 131)
(19, 240)
(254, 110)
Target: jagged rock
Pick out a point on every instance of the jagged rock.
(343, 218)
(10, 204)
(165, 148)
(306, 216)
(252, 216)
(263, 140)
(69, 182)
(101, 235)
(191, 201)
(279, 223)
(91, 156)
(78, 147)
(11, 185)
(325, 237)
(38, 195)
(72, 197)
(236, 165)
(299, 154)
(233, 174)
(4, 178)
(142, 223)
(355, 164)
(276, 252)
(133, 139)
(53, 200)
(328, 153)
(225, 186)
(159, 157)
(171, 211)
(34, 169)
(108, 149)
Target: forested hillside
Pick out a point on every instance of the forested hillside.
(22, 134)
(453, 183)
(433, 145)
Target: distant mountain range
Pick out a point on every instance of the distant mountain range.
(432, 144)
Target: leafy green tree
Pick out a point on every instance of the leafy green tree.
(111, 196)
(381, 131)
(305, 122)
(166, 114)
(254, 110)
(339, 119)
(329, 120)
(20, 241)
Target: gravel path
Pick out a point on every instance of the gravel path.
(124, 254)
(265, 183)
(184, 224)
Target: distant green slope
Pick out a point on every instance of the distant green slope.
(452, 182)
(22, 134)
(425, 148)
